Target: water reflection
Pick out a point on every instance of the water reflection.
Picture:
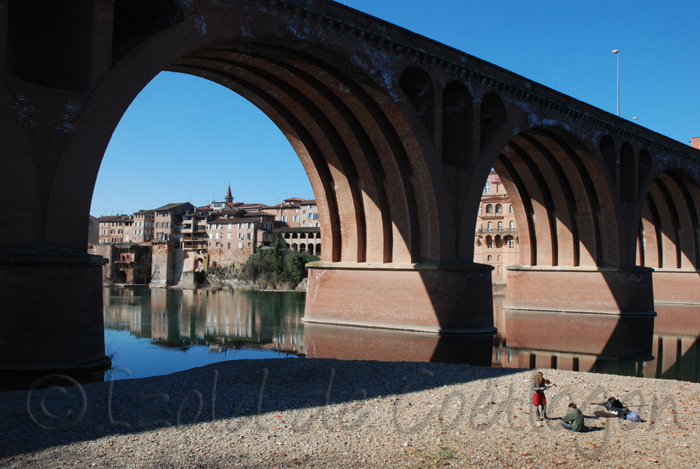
(662, 347)
(355, 343)
(143, 326)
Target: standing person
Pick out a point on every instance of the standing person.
(539, 385)
(573, 420)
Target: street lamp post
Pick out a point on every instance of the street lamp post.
(617, 53)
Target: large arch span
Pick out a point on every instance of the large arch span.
(397, 134)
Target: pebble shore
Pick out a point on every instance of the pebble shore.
(346, 414)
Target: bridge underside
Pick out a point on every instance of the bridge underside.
(397, 134)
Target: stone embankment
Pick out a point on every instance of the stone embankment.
(328, 413)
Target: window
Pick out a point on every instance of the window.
(229, 246)
(489, 259)
(511, 243)
(250, 236)
(500, 226)
(240, 245)
(296, 218)
(510, 209)
(217, 235)
(499, 208)
(489, 208)
(229, 227)
(489, 243)
(512, 225)
(486, 188)
(229, 236)
(489, 226)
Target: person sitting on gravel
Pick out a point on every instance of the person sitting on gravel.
(539, 385)
(573, 420)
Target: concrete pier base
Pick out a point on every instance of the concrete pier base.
(437, 298)
(52, 318)
(603, 290)
(679, 286)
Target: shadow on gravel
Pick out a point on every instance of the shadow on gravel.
(229, 393)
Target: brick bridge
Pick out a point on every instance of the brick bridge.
(397, 134)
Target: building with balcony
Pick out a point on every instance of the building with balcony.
(496, 237)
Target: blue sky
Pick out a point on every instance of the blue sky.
(204, 136)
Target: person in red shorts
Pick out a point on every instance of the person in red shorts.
(539, 385)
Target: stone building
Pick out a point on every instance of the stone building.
(301, 239)
(295, 213)
(143, 226)
(167, 221)
(115, 229)
(233, 235)
(695, 142)
(496, 234)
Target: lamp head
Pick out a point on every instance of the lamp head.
(615, 51)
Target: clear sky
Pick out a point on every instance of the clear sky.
(203, 136)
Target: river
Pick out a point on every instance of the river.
(151, 332)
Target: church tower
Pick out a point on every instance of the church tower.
(229, 198)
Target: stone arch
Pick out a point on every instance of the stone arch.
(457, 125)
(419, 90)
(375, 198)
(668, 236)
(561, 200)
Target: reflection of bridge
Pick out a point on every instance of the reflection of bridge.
(397, 134)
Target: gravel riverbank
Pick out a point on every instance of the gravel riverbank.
(329, 413)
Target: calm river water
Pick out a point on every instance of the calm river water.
(152, 332)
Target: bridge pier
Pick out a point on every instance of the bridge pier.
(601, 290)
(437, 298)
(679, 286)
(52, 319)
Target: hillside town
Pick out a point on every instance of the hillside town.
(169, 245)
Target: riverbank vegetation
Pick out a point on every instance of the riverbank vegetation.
(270, 268)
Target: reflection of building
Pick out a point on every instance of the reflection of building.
(301, 239)
(496, 238)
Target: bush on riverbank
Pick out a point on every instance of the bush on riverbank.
(274, 267)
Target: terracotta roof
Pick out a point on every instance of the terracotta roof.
(170, 206)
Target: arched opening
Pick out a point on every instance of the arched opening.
(668, 236)
(419, 90)
(456, 125)
(628, 174)
(607, 150)
(560, 200)
(493, 112)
